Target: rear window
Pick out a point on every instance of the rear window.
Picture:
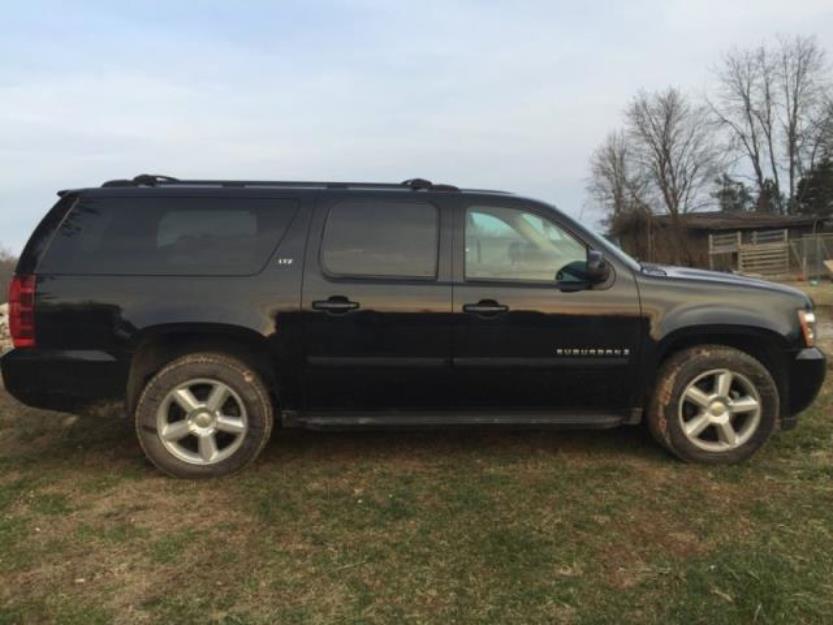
(168, 236)
(381, 239)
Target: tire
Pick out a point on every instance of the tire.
(693, 416)
(197, 399)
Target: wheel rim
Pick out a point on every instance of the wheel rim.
(202, 421)
(720, 410)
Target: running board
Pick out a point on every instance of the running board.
(524, 419)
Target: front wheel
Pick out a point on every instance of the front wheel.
(713, 404)
(204, 415)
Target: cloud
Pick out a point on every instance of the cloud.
(489, 94)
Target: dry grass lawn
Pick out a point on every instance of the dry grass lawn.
(441, 527)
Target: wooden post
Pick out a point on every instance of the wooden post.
(804, 258)
(711, 252)
(818, 256)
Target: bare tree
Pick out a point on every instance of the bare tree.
(801, 76)
(823, 146)
(766, 116)
(825, 128)
(738, 107)
(746, 105)
(774, 101)
(616, 181)
(676, 146)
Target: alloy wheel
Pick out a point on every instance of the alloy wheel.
(202, 421)
(719, 410)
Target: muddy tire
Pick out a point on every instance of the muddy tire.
(204, 415)
(713, 404)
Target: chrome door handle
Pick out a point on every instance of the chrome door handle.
(485, 307)
(336, 304)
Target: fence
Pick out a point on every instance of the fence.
(809, 254)
(768, 254)
(721, 244)
(763, 252)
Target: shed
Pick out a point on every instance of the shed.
(649, 237)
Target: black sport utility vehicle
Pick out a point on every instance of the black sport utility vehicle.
(212, 308)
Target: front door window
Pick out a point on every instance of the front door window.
(519, 246)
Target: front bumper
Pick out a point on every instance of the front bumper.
(807, 370)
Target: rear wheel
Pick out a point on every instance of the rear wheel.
(713, 404)
(204, 415)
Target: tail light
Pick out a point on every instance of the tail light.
(22, 311)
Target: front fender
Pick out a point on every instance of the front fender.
(675, 305)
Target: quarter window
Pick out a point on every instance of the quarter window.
(510, 244)
(168, 236)
(381, 239)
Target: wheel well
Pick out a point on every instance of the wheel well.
(157, 350)
(765, 347)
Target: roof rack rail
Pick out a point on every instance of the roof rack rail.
(148, 180)
(417, 184)
(153, 180)
(421, 184)
(490, 191)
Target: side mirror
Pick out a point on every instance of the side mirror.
(597, 269)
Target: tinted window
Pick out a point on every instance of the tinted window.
(510, 244)
(381, 239)
(168, 236)
(36, 246)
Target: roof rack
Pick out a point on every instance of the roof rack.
(148, 180)
(153, 180)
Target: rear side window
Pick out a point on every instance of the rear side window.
(378, 239)
(168, 236)
(39, 241)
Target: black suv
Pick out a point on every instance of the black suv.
(211, 308)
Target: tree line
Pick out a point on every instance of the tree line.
(761, 140)
(7, 265)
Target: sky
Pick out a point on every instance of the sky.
(506, 95)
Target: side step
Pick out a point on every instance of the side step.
(415, 420)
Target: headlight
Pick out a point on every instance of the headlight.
(807, 319)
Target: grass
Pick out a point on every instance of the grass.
(440, 527)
